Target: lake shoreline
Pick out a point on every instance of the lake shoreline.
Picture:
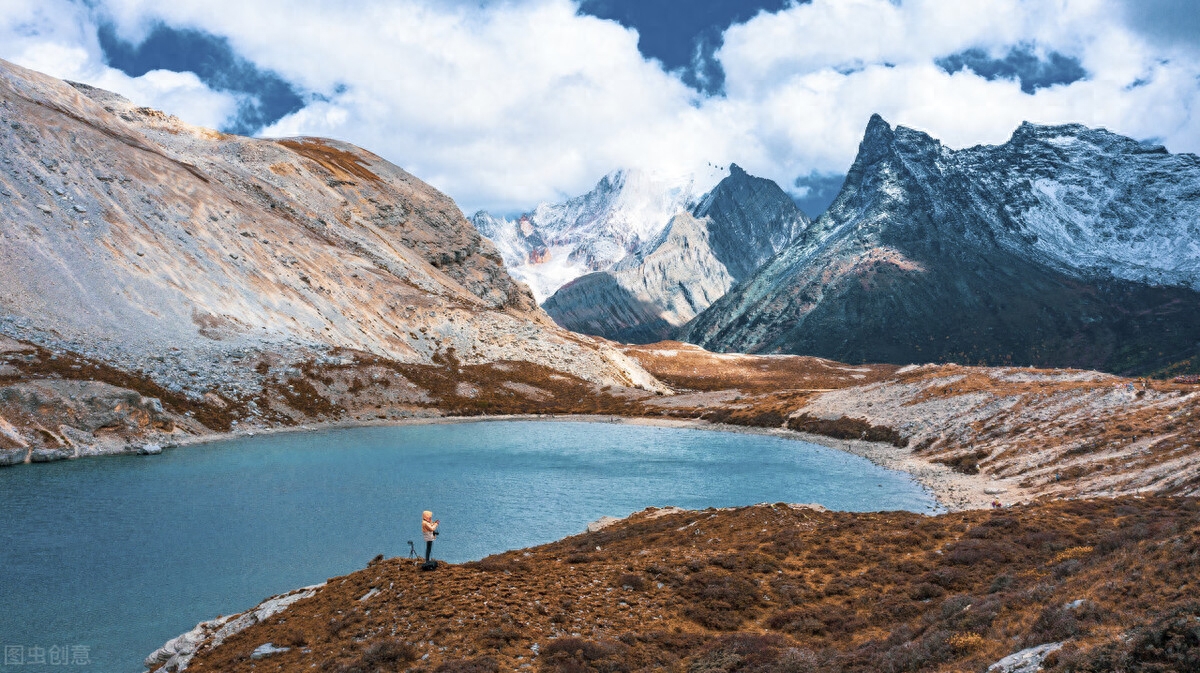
(953, 491)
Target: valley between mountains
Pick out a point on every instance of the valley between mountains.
(163, 284)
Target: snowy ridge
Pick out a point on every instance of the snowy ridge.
(734, 229)
(558, 242)
(1086, 201)
(1065, 246)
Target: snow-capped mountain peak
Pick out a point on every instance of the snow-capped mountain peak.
(1065, 245)
(555, 243)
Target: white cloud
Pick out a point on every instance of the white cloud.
(813, 74)
(58, 38)
(522, 100)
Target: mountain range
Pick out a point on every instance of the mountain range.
(555, 243)
(696, 259)
(638, 256)
(1065, 246)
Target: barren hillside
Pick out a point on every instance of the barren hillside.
(1018, 432)
(198, 263)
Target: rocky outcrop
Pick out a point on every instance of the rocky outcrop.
(733, 230)
(968, 433)
(1065, 246)
(133, 239)
(1028, 660)
(51, 419)
(178, 652)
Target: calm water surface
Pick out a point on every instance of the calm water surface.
(120, 554)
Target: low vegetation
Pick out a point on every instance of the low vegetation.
(776, 588)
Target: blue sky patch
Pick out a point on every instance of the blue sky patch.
(684, 36)
(1021, 63)
(814, 192)
(264, 98)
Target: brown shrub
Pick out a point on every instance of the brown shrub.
(801, 622)
(300, 395)
(386, 654)
(576, 655)
(752, 562)
(1000, 583)
(498, 563)
(973, 552)
(966, 463)
(741, 652)
(1056, 623)
(349, 621)
(1171, 642)
(477, 665)
(786, 541)
(499, 636)
(718, 600)
(757, 418)
(632, 582)
(847, 428)
(926, 591)
(946, 577)
(997, 526)
(789, 590)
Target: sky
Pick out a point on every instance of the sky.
(506, 103)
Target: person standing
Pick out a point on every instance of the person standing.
(429, 530)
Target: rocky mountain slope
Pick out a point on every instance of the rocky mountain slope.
(204, 268)
(1065, 246)
(968, 433)
(732, 231)
(558, 242)
(1092, 585)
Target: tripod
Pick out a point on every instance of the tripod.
(412, 553)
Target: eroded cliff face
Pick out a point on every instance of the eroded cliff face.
(1065, 246)
(645, 297)
(195, 259)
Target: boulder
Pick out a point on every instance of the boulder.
(175, 654)
(12, 456)
(601, 523)
(266, 650)
(47, 455)
(1028, 660)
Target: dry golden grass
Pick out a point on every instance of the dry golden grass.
(689, 367)
(781, 587)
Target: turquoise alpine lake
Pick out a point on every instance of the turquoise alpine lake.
(111, 557)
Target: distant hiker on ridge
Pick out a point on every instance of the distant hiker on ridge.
(429, 530)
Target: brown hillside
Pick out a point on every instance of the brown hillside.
(773, 588)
